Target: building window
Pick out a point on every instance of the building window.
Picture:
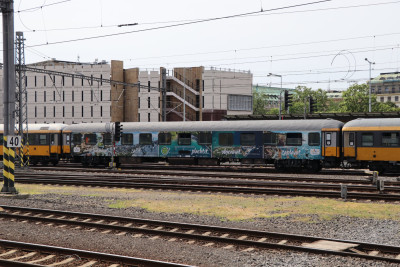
(138, 102)
(63, 111)
(148, 116)
(396, 98)
(62, 80)
(382, 99)
(54, 111)
(54, 95)
(379, 90)
(82, 81)
(138, 116)
(372, 89)
(82, 111)
(148, 84)
(91, 79)
(35, 81)
(44, 80)
(393, 90)
(82, 95)
(44, 112)
(386, 89)
(44, 96)
(389, 99)
(73, 96)
(148, 102)
(35, 112)
(91, 95)
(63, 96)
(91, 111)
(225, 139)
(73, 111)
(101, 95)
(101, 111)
(158, 102)
(293, 139)
(73, 80)
(240, 102)
(35, 96)
(101, 79)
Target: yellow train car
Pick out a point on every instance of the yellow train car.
(373, 143)
(46, 143)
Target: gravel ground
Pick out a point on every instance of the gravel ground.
(378, 231)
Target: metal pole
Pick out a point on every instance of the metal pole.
(9, 94)
(369, 98)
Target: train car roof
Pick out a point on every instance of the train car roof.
(42, 126)
(373, 124)
(267, 125)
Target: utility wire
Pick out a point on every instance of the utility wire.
(181, 24)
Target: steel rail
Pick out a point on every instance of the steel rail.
(245, 237)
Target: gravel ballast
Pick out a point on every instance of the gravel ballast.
(366, 230)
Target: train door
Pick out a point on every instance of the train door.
(349, 147)
(330, 144)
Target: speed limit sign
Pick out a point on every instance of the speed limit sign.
(13, 141)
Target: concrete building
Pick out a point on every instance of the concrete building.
(386, 86)
(199, 93)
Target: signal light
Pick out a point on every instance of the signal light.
(313, 105)
(118, 131)
(288, 100)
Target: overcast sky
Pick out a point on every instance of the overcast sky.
(319, 44)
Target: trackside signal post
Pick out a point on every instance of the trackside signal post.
(7, 10)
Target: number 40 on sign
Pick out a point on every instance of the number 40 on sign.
(13, 141)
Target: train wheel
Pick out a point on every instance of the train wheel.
(314, 166)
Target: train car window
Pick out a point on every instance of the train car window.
(185, 139)
(127, 139)
(314, 139)
(32, 139)
(367, 139)
(247, 139)
(90, 139)
(43, 139)
(270, 139)
(77, 139)
(1, 139)
(328, 139)
(293, 139)
(107, 139)
(52, 139)
(164, 138)
(351, 139)
(145, 139)
(390, 139)
(225, 139)
(205, 138)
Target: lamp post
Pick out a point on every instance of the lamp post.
(369, 100)
(280, 93)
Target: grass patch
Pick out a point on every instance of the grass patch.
(226, 207)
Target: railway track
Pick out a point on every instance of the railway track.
(202, 235)
(360, 190)
(18, 254)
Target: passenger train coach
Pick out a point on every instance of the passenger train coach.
(308, 144)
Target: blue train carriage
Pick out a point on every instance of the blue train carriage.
(176, 142)
(305, 144)
(91, 143)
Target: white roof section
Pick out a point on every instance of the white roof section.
(381, 122)
(264, 125)
(42, 126)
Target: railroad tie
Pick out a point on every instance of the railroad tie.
(121, 233)
(397, 257)
(262, 239)
(42, 259)
(63, 262)
(191, 242)
(208, 244)
(224, 235)
(28, 255)
(243, 237)
(88, 264)
(8, 253)
(228, 247)
(172, 239)
(190, 232)
(207, 233)
(128, 224)
(282, 242)
(248, 249)
(106, 232)
(357, 251)
(174, 230)
(158, 228)
(373, 253)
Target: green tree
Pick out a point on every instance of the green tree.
(301, 98)
(356, 99)
(260, 104)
